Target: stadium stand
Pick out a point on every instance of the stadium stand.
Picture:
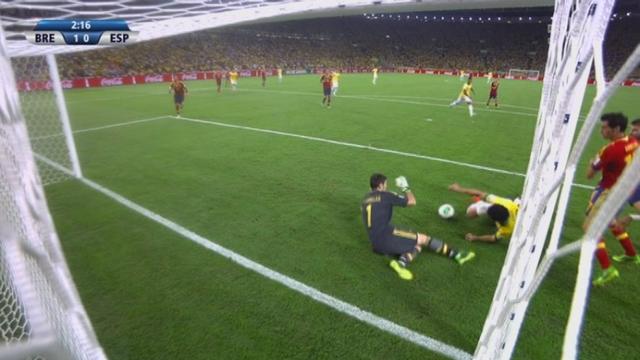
(345, 42)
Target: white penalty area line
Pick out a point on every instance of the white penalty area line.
(366, 147)
(388, 99)
(399, 100)
(317, 295)
(126, 123)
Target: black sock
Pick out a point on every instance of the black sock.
(440, 247)
(403, 261)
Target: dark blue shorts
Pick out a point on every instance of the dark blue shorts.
(635, 197)
(178, 99)
(395, 242)
(598, 193)
(327, 91)
(595, 195)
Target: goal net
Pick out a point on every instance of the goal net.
(519, 74)
(45, 114)
(575, 46)
(41, 314)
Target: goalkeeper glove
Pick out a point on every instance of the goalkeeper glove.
(402, 184)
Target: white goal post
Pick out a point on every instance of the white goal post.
(523, 74)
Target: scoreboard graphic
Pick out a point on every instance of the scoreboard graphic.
(81, 32)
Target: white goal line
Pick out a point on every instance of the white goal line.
(317, 295)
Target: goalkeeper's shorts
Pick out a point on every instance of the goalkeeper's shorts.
(395, 242)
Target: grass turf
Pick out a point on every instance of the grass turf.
(292, 204)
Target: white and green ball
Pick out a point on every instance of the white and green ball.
(446, 211)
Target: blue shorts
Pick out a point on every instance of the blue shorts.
(635, 197)
(395, 242)
(327, 91)
(178, 99)
(597, 198)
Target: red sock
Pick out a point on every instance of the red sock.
(624, 239)
(602, 255)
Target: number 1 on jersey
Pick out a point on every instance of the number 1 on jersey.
(369, 215)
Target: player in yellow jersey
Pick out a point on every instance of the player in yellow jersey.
(335, 82)
(233, 79)
(375, 75)
(465, 95)
(279, 74)
(501, 210)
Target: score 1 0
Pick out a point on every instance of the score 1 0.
(99, 38)
(81, 37)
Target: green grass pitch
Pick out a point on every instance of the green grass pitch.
(292, 205)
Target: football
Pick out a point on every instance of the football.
(446, 211)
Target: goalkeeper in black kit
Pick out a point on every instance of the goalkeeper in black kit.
(387, 239)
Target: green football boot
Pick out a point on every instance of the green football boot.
(403, 272)
(464, 256)
(606, 276)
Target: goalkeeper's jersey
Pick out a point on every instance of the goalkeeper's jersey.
(377, 209)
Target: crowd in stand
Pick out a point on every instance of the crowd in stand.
(345, 42)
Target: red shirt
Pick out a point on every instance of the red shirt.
(326, 81)
(494, 87)
(612, 160)
(178, 88)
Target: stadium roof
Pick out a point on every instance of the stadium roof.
(161, 18)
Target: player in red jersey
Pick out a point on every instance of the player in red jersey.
(263, 74)
(218, 76)
(611, 161)
(634, 199)
(326, 87)
(493, 93)
(179, 91)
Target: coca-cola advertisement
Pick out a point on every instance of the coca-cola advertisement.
(111, 81)
(190, 76)
(153, 78)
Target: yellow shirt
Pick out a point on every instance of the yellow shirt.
(335, 77)
(466, 90)
(279, 72)
(375, 71)
(505, 230)
(233, 75)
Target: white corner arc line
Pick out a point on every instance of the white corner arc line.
(317, 295)
(335, 142)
